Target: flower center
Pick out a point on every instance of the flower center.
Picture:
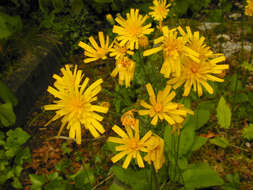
(125, 62)
(158, 108)
(194, 69)
(134, 30)
(101, 52)
(133, 144)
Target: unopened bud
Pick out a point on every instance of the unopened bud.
(110, 19)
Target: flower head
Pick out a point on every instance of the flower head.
(73, 104)
(160, 10)
(196, 73)
(174, 49)
(131, 28)
(162, 107)
(120, 51)
(96, 52)
(155, 154)
(249, 8)
(130, 144)
(125, 68)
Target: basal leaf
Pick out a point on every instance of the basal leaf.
(201, 176)
(6, 95)
(223, 114)
(7, 116)
(220, 141)
(37, 181)
(200, 117)
(186, 139)
(198, 142)
(247, 132)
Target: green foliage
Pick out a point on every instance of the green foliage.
(13, 156)
(200, 176)
(247, 66)
(137, 179)
(247, 132)
(9, 25)
(220, 141)
(7, 116)
(233, 182)
(223, 114)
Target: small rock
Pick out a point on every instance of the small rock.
(208, 25)
(235, 16)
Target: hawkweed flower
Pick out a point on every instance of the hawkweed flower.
(128, 119)
(143, 41)
(125, 68)
(249, 8)
(155, 154)
(132, 28)
(130, 144)
(196, 74)
(74, 104)
(174, 49)
(120, 51)
(96, 52)
(161, 107)
(160, 10)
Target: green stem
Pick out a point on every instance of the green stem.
(154, 174)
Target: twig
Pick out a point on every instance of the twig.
(102, 182)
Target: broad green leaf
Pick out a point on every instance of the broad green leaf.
(247, 132)
(186, 139)
(84, 176)
(201, 176)
(6, 95)
(56, 185)
(115, 186)
(200, 118)
(167, 139)
(223, 114)
(198, 142)
(137, 179)
(37, 181)
(7, 116)
(58, 5)
(220, 141)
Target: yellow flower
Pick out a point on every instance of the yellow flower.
(162, 107)
(160, 10)
(95, 53)
(249, 8)
(127, 119)
(174, 48)
(130, 145)
(195, 73)
(125, 68)
(120, 51)
(73, 104)
(131, 29)
(143, 41)
(109, 18)
(155, 154)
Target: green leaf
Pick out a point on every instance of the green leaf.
(198, 142)
(56, 185)
(115, 186)
(84, 176)
(235, 83)
(6, 94)
(167, 139)
(220, 141)
(77, 6)
(247, 132)
(247, 66)
(58, 5)
(233, 182)
(7, 116)
(201, 176)
(16, 183)
(9, 25)
(186, 139)
(37, 181)
(223, 114)
(16, 138)
(200, 117)
(137, 179)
